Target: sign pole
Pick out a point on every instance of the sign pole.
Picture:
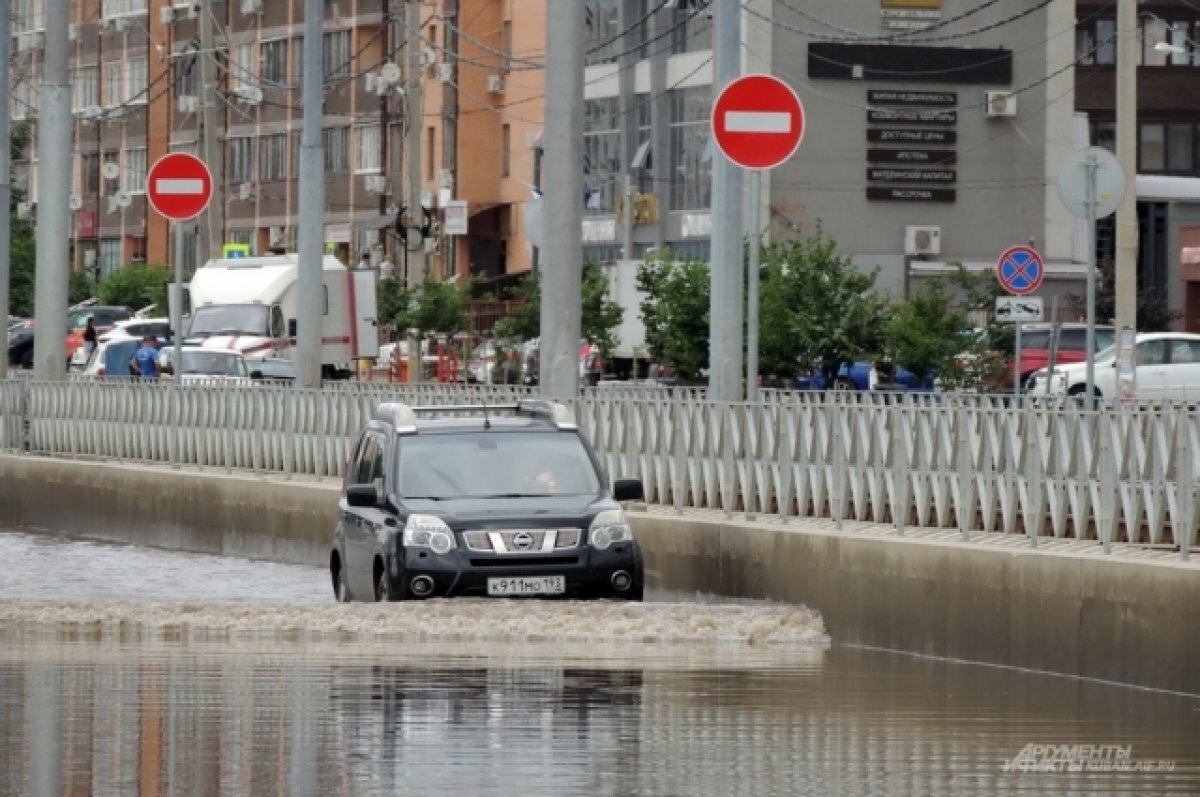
(1017, 366)
(176, 307)
(752, 290)
(1090, 165)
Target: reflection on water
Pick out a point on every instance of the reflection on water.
(280, 714)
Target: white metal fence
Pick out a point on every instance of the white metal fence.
(968, 463)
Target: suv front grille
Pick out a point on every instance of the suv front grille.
(522, 541)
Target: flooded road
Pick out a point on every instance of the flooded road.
(125, 671)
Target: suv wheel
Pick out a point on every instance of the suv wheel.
(27, 358)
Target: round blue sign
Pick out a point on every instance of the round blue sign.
(1020, 270)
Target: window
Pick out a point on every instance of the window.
(1151, 155)
(1104, 134)
(431, 160)
(110, 256)
(89, 173)
(112, 83)
(135, 80)
(28, 15)
(87, 87)
(24, 98)
(120, 8)
(691, 158)
(274, 61)
(1154, 32)
(1184, 352)
(241, 159)
(133, 176)
(603, 39)
(1150, 352)
(186, 76)
(1179, 148)
(337, 148)
(241, 70)
(367, 146)
(272, 157)
(601, 154)
(242, 235)
(336, 59)
(690, 31)
(506, 44)
(1106, 41)
(505, 150)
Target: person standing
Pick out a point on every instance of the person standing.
(145, 360)
(89, 336)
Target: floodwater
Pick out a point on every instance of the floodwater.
(126, 671)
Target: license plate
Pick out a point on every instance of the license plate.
(527, 585)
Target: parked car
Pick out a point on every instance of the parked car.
(20, 342)
(103, 318)
(272, 370)
(1037, 341)
(128, 329)
(201, 364)
(502, 502)
(1166, 368)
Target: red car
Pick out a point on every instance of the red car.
(1038, 340)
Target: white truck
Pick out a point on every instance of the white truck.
(250, 305)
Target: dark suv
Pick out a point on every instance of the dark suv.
(491, 501)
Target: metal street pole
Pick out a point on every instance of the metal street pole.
(176, 304)
(558, 362)
(210, 235)
(413, 111)
(752, 289)
(1090, 166)
(1128, 45)
(726, 261)
(311, 237)
(54, 128)
(5, 186)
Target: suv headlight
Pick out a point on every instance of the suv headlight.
(429, 531)
(609, 526)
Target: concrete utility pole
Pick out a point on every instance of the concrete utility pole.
(54, 187)
(211, 236)
(311, 236)
(5, 186)
(1128, 45)
(562, 273)
(414, 122)
(728, 277)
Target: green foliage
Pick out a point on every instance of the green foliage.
(1153, 314)
(926, 332)
(817, 309)
(599, 316)
(441, 309)
(393, 301)
(675, 312)
(23, 244)
(81, 286)
(136, 286)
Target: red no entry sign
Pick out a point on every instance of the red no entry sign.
(179, 186)
(758, 121)
(1020, 270)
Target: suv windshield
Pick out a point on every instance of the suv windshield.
(229, 319)
(494, 464)
(215, 363)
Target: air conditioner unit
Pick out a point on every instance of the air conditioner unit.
(166, 15)
(252, 7)
(445, 178)
(276, 235)
(188, 103)
(922, 240)
(376, 184)
(445, 72)
(34, 40)
(245, 190)
(186, 10)
(113, 206)
(75, 202)
(428, 200)
(999, 104)
(24, 210)
(428, 56)
(370, 80)
(251, 95)
(73, 32)
(495, 84)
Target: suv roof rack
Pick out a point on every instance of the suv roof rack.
(404, 417)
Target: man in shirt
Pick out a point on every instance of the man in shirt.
(145, 359)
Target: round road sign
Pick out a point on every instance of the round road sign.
(179, 186)
(1020, 270)
(758, 121)
(1073, 182)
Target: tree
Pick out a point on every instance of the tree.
(22, 241)
(926, 331)
(1153, 314)
(441, 309)
(675, 312)
(818, 310)
(599, 316)
(136, 286)
(393, 302)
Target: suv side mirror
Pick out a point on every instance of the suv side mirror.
(628, 490)
(362, 495)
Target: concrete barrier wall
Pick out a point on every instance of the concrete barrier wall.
(1135, 622)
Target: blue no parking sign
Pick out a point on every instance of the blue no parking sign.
(1020, 270)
